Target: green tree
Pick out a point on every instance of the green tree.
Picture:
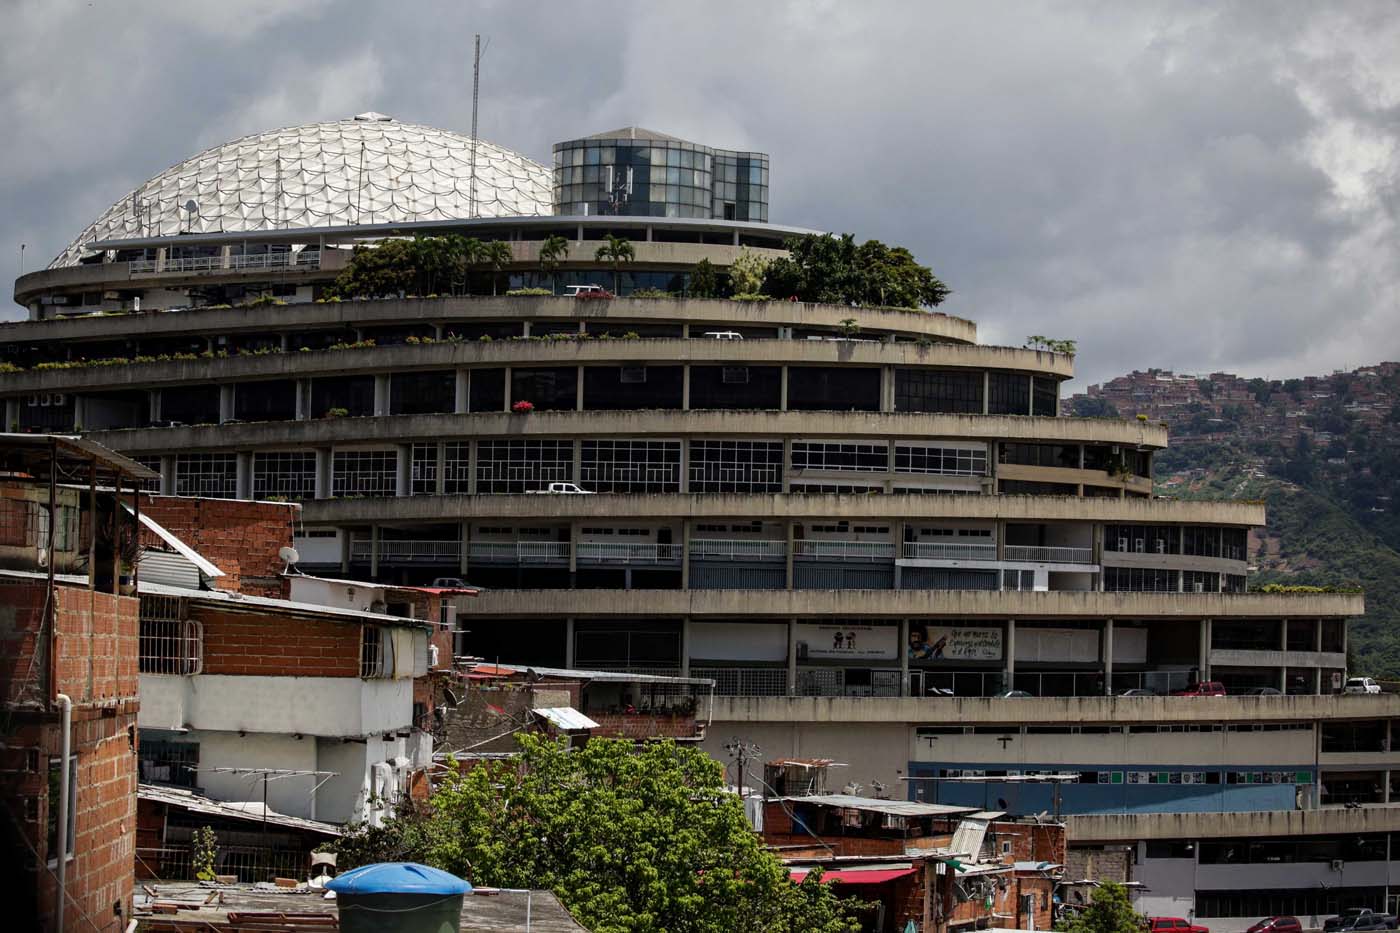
(386, 268)
(746, 274)
(703, 282)
(642, 842)
(616, 251)
(497, 255)
(835, 270)
(1109, 911)
(204, 852)
(553, 251)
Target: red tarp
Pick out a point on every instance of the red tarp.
(855, 875)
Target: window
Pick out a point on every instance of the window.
(152, 464)
(1142, 539)
(931, 390)
(944, 460)
(456, 468)
(170, 643)
(211, 476)
(364, 473)
(1139, 579)
(1010, 394)
(836, 456)
(55, 786)
(425, 393)
(161, 761)
(1045, 396)
(373, 661)
(423, 469)
(631, 466)
(736, 466)
(518, 466)
(290, 474)
(1041, 455)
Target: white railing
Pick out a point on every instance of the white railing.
(844, 550)
(933, 550)
(728, 549)
(1050, 555)
(524, 552)
(425, 551)
(610, 552)
(305, 259)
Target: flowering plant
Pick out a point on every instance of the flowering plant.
(523, 408)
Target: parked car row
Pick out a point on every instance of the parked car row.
(1353, 920)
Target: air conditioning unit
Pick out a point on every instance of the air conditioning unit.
(1336, 864)
(1139, 545)
(1200, 587)
(1161, 546)
(1123, 544)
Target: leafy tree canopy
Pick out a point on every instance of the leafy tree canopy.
(642, 842)
(1109, 911)
(703, 281)
(834, 270)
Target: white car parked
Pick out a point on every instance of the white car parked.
(1361, 685)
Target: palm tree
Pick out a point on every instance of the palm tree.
(617, 250)
(553, 251)
(467, 252)
(497, 254)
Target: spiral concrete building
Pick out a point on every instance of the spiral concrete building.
(863, 525)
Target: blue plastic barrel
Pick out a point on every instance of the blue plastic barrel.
(399, 897)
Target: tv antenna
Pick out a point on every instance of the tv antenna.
(476, 92)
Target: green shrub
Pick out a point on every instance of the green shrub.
(519, 292)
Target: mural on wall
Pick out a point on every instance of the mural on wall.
(933, 643)
(847, 642)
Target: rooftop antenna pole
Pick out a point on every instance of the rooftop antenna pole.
(21, 258)
(476, 88)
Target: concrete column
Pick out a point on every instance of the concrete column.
(986, 391)
(685, 385)
(1030, 395)
(578, 390)
(1283, 679)
(373, 552)
(1283, 634)
(791, 540)
(569, 661)
(685, 553)
(792, 657)
(381, 395)
(344, 550)
(574, 531)
(1000, 532)
(685, 331)
(226, 256)
(11, 414)
(1205, 650)
(440, 486)
(1010, 653)
(324, 462)
(160, 258)
(461, 399)
(783, 391)
(1108, 657)
(463, 561)
(167, 475)
(243, 482)
(904, 657)
(505, 406)
(525, 329)
(403, 478)
(225, 402)
(153, 405)
(577, 476)
(685, 646)
(474, 452)
(887, 388)
(787, 462)
(303, 399)
(685, 465)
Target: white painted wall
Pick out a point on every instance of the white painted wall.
(347, 797)
(1174, 748)
(337, 594)
(324, 706)
(289, 795)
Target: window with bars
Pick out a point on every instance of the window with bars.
(364, 473)
(164, 762)
(736, 466)
(456, 468)
(212, 476)
(947, 461)
(290, 474)
(373, 657)
(423, 470)
(835, 455)
(631, 466)
(170, 643)
(519, 466)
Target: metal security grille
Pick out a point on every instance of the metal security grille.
(631, 466)
(364, 473)
(456, 468)
(736, 466)
(372, 662)
(213, 476)
(170, 644)
(163, 762)
(519, 466)
(423, 469)
(817, 455)
(947, 461)
(290, 474)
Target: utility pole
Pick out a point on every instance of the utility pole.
(476, 88)
(741, 752)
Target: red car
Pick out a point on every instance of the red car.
(1173, 925)
(1277, 925)
(1205, 688)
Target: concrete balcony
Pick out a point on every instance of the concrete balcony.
(715, 549)
(1049, 555)
(931, 550)
(409, 552)
(596, 552)
(519, 552)
(867, 551)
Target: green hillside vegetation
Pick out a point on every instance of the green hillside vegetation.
(1311, 539)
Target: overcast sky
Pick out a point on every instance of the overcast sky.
(1176, 185)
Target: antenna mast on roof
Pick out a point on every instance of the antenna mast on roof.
(476, 88)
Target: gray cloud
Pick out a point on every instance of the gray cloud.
(1173, 185)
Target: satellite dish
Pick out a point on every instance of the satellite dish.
(290, 555)
(191, 207)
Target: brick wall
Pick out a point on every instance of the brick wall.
(98, 645)
(240, 538)
(270, 645)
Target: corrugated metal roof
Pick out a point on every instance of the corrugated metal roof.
(507, 669)
(81, 449)
(566, 718)
(875, 805)
(197, 803)
(968, 837)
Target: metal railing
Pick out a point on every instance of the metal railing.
(745, 681)
(412, 551)
(1050, 555)
(523, 552)
(844, 550)
(609, 552)
(304, 259)
(932, 550)
(250, 863)
(728, 549)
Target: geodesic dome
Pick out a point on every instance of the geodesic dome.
(366, 169)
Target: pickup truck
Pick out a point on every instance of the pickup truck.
(1173, 925)
(1359, 918)
(559, 489)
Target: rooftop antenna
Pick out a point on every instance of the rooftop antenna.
(476, 91)
(21, 258)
